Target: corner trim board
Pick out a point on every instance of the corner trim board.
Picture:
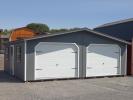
(25, 48)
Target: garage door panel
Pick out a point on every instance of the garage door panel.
(103, 60)
(104, 50)
(41, 48)
(58, 61)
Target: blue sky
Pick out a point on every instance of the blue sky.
(63, 13)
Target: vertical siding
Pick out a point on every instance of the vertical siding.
(18, 66)
(6, 60)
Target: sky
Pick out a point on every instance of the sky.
(63, 13)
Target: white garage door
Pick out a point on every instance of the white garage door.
(103, 60)
(56, 60)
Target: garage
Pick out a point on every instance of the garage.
(56, 60)
(74, 54)
(103, 60)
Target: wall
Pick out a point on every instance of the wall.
(18, 66)
(82, 39)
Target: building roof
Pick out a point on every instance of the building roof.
(82, 29)
(16, 33)
(115, 22)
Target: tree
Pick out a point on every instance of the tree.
(58, 30)
(63, 30)
(38, 27)
(5, 32)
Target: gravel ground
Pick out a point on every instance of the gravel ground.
(117, 88)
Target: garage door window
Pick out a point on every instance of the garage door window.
(18, 53)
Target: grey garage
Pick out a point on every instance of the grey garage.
(75, 54)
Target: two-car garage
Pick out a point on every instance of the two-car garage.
(77, 54)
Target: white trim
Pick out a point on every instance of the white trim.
(120, 57)
(25, 61)
(56, 43)
(35, 61)
(119, 62)
(10, 36)
(126, 62)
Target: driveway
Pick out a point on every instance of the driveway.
(116, 88)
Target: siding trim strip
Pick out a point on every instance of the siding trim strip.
(126, 61)
(25, 48)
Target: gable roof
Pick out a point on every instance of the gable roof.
(82, 29)
(115, 22)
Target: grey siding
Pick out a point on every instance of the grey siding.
(6, 59)
(82, 39)
(18, 66)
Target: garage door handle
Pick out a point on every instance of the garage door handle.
(39, 69)
(74, 52)
(39, 51)
(116, 52)
(74, 68)
(89, 67)
(115, 67)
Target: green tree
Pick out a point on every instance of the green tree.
(63, 30)
(38, 27)
(58, 30)
(5, 32)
